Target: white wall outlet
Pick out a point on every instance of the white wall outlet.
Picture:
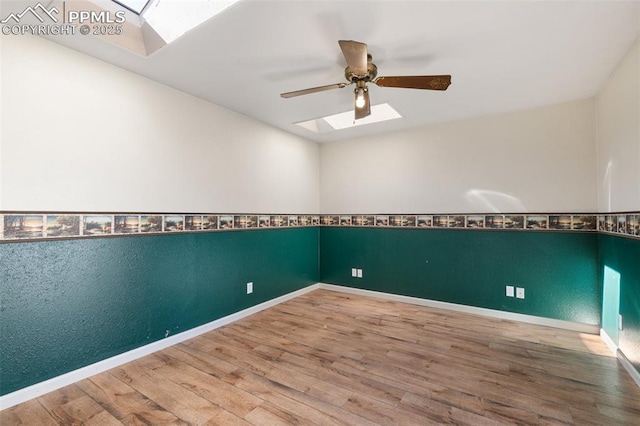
(511, 291)
(619, 322)
(520, 292)
(249, 288)
(354, 272)
(359, 273)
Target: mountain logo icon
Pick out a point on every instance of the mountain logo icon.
(38, 11)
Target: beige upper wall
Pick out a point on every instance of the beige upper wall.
(618, 137)
(79, 134)
(540, 160)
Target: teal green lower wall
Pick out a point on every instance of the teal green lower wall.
(68, 304)
(558, 270)
(623, 255)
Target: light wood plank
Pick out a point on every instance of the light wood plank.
(28, 413)
(125, 403)
(332, 358)
(181, 402)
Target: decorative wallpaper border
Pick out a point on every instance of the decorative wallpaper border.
(38, 226)
(623, 223)
(21, 226)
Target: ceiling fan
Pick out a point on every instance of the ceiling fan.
(361, 70)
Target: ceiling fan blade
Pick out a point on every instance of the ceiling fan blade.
(366, 109)
(355, 53)
(313, 90)
(429, 82)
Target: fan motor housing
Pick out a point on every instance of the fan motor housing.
(372, 72)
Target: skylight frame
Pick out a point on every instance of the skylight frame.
(127, 5)
(344, 120)
(158, 23)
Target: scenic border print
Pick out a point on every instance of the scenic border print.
(38, 226)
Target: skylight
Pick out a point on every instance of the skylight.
(135, 6)
(172, 18)
(344, 120)
(160, 22)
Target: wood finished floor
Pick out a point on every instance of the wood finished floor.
(330, 358)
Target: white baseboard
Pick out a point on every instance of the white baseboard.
(530, 319)
(608, 341)
(635, 375)
(58, 382)
(622, 358)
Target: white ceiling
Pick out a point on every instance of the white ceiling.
(502, 55)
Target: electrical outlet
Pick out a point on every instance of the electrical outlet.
(520, 292)
(354, 272)
(510, 291)
(619, 322)
(359, 273)
(249, 288)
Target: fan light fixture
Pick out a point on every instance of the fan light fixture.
(359, 97)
